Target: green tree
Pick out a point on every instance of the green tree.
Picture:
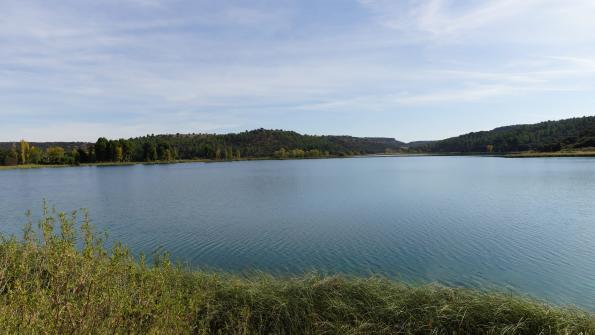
(281, 153)
(313, 153)
(128, 148)
(24, 152)
(153, 153)
(12, 158)
(75, 157)
(167, 155)
(83, 155)
(3, 154)
(101, 149)
(36, 155)
(119, 154)
(297, 153)
(228, 153)
(55, 155)
(149, 152)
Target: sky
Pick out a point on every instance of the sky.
(412, 70)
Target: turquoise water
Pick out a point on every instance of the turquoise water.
(524, 225)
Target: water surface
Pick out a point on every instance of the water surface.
(526, 225)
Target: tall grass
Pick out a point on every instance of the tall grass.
(59, 278)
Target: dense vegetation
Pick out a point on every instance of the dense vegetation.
(549, 136)
(252, 144)
(60, 279)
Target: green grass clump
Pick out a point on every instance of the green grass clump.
(60, 279)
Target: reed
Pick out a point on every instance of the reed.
(59, 278)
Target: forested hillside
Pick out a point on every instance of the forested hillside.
(251, 144)
(549, 136)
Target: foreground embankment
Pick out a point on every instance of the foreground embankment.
(60, 279)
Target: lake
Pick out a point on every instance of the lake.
(522, 225)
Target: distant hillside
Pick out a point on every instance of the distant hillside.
(251, 144)
(549, 136)
(366, 144)
(266, 143)
(419, 144)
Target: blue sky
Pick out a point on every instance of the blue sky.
(413, 70)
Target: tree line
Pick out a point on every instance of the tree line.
(151, 148)
(549, 136)
(23, 153)
(575, 133)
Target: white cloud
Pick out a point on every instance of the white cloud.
(155, 66)
(436, 18)
(528, 21)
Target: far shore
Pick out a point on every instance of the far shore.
(179, 161)
(182, 161)
(552, 154)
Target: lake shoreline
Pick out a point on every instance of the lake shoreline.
(182, 161)
(557, 154)
(185, 161)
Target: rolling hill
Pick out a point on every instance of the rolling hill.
(548, 136)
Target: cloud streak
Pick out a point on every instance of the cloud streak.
(368, 67)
